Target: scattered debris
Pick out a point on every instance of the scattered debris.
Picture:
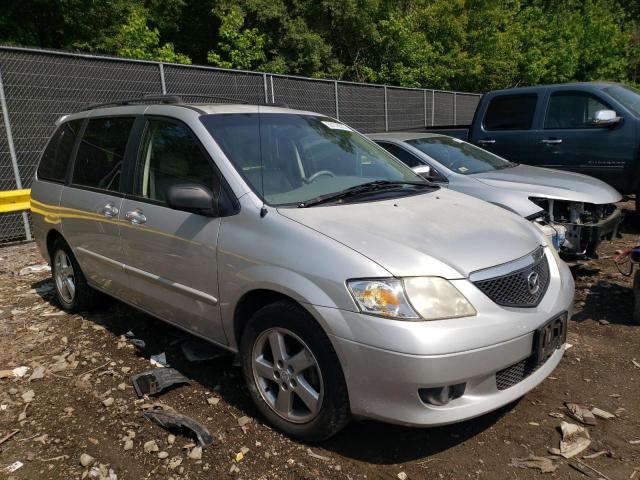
(159, 360)
(200, 351)
(315, 455)
(213, 400)
(544, 464)
(637, 364)
(581, 413)
(28, 396)
(602, 413)
(402, 476)
(150, 446)
(86, 460)
(37, 373)
(597, 454)
(9, 435)
(195, 453)
(131, 338)
(243, 421)
(128, 444)
(156, 380)
(634, 442)
(556, 414)
(35, 269)
(162, 455)
(174, 463)
(14, 466)
(602, 321)
(575, 439)
(107, 402)
(20, 372)
(178, 422)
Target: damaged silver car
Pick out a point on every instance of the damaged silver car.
(575, 211)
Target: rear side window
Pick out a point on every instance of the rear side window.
(56, 157)
(400, 153)
(101, 153)
(511, 112)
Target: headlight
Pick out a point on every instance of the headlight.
(435, 298)
(383, 296)
(416, 298)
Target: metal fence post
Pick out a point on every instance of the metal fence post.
(12, 154)
(266, 92)
(455, 109)
(386, 111)
(424, 97)
(433, 107)
(273, 98)
(162, 83)
(335, 92)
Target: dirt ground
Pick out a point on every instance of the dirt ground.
(85, 404)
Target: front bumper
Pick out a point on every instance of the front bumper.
(387, 362)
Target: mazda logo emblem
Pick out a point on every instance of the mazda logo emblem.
(533, 283)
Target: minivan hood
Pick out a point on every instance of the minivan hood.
(442, 233)
(547, 183)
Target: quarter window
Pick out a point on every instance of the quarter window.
(56, 157)
(101, 153)
(510, 112)
(572, 110)
(171, 155)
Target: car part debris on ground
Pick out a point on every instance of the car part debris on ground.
(176, 422)
(581, 413)
(575, 439)
(544, 464)
(154, 381)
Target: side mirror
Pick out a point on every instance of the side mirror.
(191, 197)
(426, 172)
(605, 118)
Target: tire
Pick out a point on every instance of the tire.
(313, 368)
(72, 291)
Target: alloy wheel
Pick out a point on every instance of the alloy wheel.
(287, 375)
(64, 276)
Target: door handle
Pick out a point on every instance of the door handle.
(487, 141)
(551, 141)
(136, 217)
(109, 210)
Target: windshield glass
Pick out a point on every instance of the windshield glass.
(458, 156)
(290, 159)
(627, 96)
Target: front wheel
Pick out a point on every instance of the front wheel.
(293, 373)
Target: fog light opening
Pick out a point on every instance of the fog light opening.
(440, 396)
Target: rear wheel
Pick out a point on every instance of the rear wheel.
(293, 374)
(72, 290)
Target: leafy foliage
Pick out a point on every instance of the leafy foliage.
(455, 44)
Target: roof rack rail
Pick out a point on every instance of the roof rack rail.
(169, 99)
(173, 99)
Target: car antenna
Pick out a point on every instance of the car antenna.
(263, 209)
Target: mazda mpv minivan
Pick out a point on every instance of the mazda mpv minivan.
(348, 285)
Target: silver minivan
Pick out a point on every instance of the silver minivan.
(348, 285)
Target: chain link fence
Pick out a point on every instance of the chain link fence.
(39, 86)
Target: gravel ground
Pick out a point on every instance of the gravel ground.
(85, 404)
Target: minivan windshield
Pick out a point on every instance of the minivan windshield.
(627, 96)
(458, 156)
(292, 159)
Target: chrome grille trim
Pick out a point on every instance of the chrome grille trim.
(509, 267)
(511, 288)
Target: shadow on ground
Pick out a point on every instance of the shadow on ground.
(392, 444)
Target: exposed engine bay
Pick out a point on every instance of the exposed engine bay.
(577, 228)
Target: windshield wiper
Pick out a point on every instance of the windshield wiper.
(374, 186)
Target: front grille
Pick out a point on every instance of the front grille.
(517, 372)
(513, 289)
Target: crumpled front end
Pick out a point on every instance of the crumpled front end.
(578, 228)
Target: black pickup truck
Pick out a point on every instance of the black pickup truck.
(590, 128)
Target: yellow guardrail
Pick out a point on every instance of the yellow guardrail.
(15, 200)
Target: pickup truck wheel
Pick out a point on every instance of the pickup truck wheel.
(72, 291)
(293, 374)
